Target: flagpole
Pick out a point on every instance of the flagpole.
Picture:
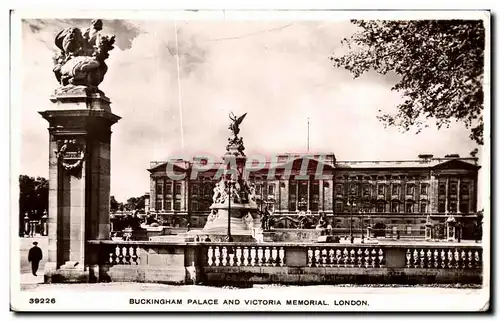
(308, 134)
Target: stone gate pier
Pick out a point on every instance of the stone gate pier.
(80, 123)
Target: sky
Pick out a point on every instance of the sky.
(276, 71)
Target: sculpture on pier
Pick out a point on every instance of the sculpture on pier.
(80, 65)
(235, 143)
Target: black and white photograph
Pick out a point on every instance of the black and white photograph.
(224, 160)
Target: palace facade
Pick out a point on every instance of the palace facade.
(395, 195)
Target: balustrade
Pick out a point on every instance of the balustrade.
(443, 258)
(335, 256)
(124, 254)
(234, 255)
(345, 257)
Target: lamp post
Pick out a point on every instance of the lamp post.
(229, 237)
(351, 204)
(362, 226)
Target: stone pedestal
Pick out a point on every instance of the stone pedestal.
(428, 232)
(79, 181)
(451, 234)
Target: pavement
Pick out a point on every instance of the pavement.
(25, 244)
(345, 289)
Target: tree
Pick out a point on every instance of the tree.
(33, 198)
(440, 64)
(135, 203)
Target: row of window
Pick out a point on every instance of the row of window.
(394, 207)
(410, 207)
(166, 205)
(381, 189)
(270, 188)
(165, 188)
(453, 189)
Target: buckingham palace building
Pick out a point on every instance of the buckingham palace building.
(398, 197)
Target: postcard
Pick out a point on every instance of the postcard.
(225, 160)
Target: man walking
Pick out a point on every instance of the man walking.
(35, 256)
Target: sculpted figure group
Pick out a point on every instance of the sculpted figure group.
(241, 192)
(81, 60)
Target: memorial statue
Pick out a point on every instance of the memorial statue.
(235, 143)
(81, 60)
(235, 125)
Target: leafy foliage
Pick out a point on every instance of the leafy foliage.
(136, 203)
(33, 196)
(440, 64)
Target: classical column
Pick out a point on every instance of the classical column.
(152, 193)
(458, 195)
(446, 195)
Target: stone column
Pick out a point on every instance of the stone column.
(446, 195)
(458, 195)
(79, 181)
(152, 191)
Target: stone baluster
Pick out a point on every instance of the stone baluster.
(111, 257)
(125, 255)
(238, 256)
(231, 257)
(310, 257)
(422, 258)
(374, 258)
(436, 258)
(274, 255)
(253, 256)
(338, 257)
(210, 255)
(217, 256)
(380, 258)
(324, 256)
(345, 257)
(477, 259)
(281, 254)
(260, 255)
(133, 255)
(456, 256)
(119, 255)
(360, 257)
(463, 259)
(408, 258)
(366, 257)
(443, 259)
(450, 259)
(245, 256)
(429, 259)
(352, 257)
(267, 255)
(469, 261)
(224, 256)
(331, 256)
(415, 258)
(317, 257)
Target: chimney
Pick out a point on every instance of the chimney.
(452, 156)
